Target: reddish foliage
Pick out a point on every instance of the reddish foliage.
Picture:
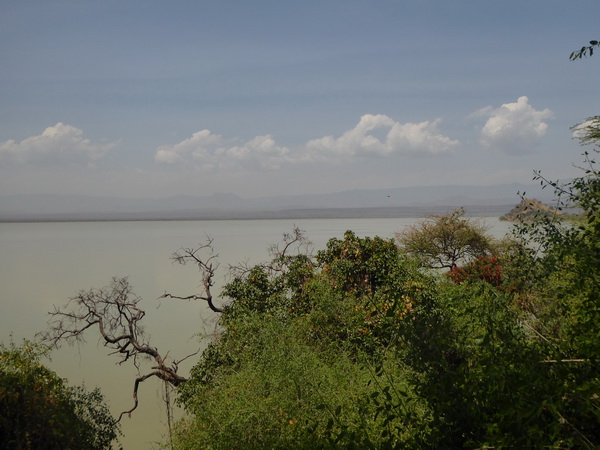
(484, 268)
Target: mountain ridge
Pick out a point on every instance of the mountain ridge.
(229, 205)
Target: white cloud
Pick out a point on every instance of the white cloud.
(212, 151)
(419, 138)
(514, 128)
(199, 146)
(395, 138)
(57, 145)
(374, 135)
(262, 151)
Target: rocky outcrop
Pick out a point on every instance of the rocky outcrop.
(528, 209)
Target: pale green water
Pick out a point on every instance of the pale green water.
(43, 264)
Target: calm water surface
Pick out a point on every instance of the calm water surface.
(43, 264)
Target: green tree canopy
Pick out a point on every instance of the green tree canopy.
(359, 348)
(38, 410)
(444, 241)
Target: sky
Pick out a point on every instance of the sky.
(152, 98)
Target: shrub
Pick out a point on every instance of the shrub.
(38, 410)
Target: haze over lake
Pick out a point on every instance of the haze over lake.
(43, 264)
(405, 202)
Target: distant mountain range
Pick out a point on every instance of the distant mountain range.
(398, 202)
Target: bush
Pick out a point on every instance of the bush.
(484, 268)
(38, 410)
(283, 392)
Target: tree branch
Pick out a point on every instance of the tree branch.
(114, 310)
(279, 254)
(207, 267)
(211, 305)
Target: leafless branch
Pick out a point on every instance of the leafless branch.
(206, 265)
(115, 312)
(208, 299)
(280, 256)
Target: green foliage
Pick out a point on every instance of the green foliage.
(388, 414)
(303, 341)
(38, 410)
(444, 241)
(360, 348)
(584, 51)
(359, 266)
(368, 290)
(284, 392)
(499, 392)
(561, 262)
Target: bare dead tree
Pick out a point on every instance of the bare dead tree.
(204, 258)
(115, 313)
(207, 266)
(292, 244)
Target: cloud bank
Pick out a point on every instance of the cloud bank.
(514, 128)
(212, 151)
(373, 136)
(415, 139)
(58, 145)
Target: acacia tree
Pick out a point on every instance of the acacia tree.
(442, 241)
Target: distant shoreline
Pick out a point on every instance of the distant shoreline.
(307, 213)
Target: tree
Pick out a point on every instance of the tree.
(483, 268)
(444, 241)
(561, 262)
(115, 312)
(295, 364)
(295, 243)
(38, 410)
(207, 267)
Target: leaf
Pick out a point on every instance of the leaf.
(329, 425)
(341, 436)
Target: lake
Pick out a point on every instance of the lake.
(44, 264)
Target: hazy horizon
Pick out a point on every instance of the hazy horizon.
(400, 202)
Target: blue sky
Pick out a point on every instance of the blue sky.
(155, 98)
